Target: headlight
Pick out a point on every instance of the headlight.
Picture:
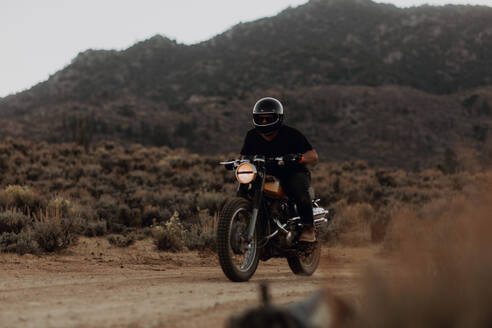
(245, 173)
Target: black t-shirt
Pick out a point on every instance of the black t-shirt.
(287, 141)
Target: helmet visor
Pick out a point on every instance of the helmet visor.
(265, 119)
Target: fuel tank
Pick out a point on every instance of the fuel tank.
(272, 188)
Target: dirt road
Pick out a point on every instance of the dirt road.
(96, 285)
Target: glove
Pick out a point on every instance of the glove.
(293, 158)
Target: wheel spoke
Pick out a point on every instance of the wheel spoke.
(242, 254)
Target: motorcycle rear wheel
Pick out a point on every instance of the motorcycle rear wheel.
(306, 264)
(238, 258)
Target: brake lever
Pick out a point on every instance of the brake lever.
(229, 165)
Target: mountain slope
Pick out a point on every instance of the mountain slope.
(161, 92)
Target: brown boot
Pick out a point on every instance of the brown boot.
(308, 235)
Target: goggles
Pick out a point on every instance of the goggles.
(265, 119)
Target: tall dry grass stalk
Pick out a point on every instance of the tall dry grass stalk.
(441, 267)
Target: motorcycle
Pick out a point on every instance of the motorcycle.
(264, 223)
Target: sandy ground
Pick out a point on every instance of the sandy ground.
(97, 285)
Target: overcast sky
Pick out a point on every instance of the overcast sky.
(40, 37)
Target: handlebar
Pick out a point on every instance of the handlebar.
(233, 163)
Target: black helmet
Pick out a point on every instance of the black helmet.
(265, 123)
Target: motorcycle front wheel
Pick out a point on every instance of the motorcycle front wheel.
(238, 258)
(307, 260)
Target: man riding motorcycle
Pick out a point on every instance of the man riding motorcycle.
(271, 138)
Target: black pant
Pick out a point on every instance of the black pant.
(296, 186)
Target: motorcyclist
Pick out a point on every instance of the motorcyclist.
(271, 138)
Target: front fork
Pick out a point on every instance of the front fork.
(257, 198)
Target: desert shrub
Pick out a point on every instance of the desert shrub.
(139, 234)
(86, 183)
(202, 235)
(168, 197)
(125, 216)
(92, 170)
(187, 180)
(352, 223)
(183, 161)
(122, 241)
(13, 221)
(95, 228)
(6, 240)
(136, 215)
(145, 232)
(164, 168)
(59, 184)
(19, 160)
(34, 172)
(52, 172)
(60, 206)
(140, 177)
(26, 244)
(151, 214)
(107, 209)
(105, 160)
(116, 227)
(359, 190)
(170, 236)
(55, 233)
(4, 162)
(123, 163)
(186, 206)
(212, 201)
(21, 197)
(196, 239)
(386, 179)
(75, 172)
(138, 198)
(85, 212)
(20, 243)
(102, 188)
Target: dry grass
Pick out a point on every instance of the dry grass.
(441, 269)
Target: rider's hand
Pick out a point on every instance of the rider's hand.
(293, 158)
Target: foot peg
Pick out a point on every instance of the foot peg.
(308, 235)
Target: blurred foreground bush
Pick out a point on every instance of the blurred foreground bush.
(440, 267)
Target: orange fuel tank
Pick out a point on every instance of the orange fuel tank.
(273, 188)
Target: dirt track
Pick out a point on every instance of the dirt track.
(95, 285)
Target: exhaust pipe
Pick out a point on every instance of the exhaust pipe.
(320, 223)
(320, 220)
(320, 216)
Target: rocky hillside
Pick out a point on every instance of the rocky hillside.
(392, 86)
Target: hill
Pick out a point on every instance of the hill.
(400, 87)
